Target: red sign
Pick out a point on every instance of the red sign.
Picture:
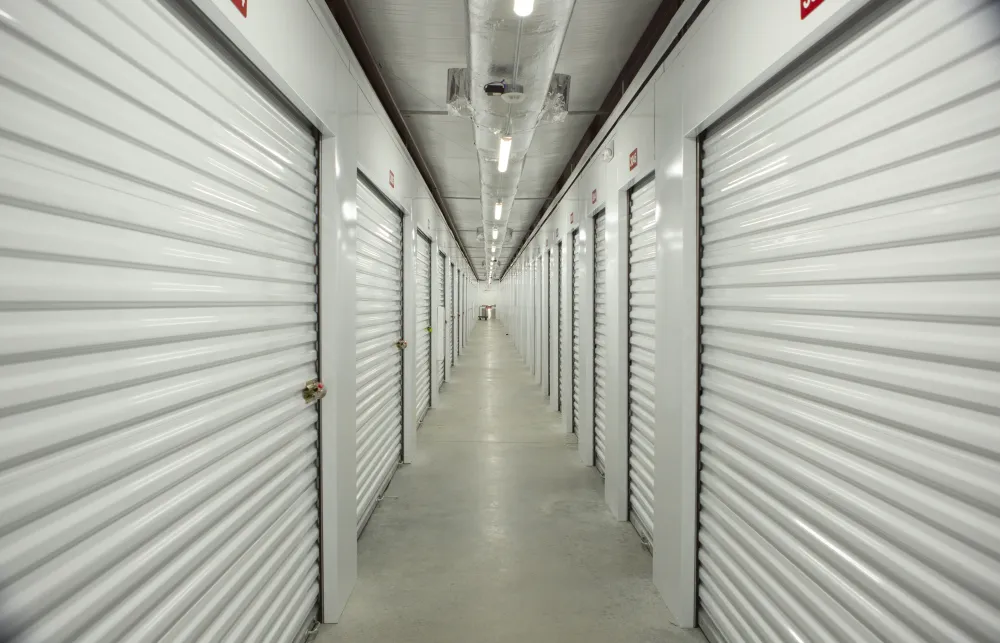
(593, 197)
(392, 179)
(633, 159)
(242, 6)
(571, 217)
(807, 6)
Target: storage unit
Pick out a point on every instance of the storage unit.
(379, 358)
(851, 338)
(561, 321)
(424, 312)
(641, 356)
(451, 314)
(600, 338)
(550, 324)
(442, 261)
(158, 318)
(577, 366)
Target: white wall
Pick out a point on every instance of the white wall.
(299, 47)
(733, 48)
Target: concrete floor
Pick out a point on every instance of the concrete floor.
(496, 532)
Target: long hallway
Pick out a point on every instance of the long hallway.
(496, 532)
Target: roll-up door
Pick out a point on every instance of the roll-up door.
(577, 366)
(451, 314)
(851, 333)
(561, 321)
(423, 303)
(641, 351)
(158, 462)
(600, 338)
(551, 324)
(442, 260)
(379, 359)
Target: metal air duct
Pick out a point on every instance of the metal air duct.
(523, 53)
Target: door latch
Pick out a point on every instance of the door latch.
(401, 344)
(314, 391)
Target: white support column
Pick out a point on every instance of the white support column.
(337, 436)
(616, 383)
(410, 337)
(437, 331)
(675, 513)
(567, 311)
(585, 432)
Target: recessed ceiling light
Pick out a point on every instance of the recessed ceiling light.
(524, 8)
(498, 210)
(504, 159)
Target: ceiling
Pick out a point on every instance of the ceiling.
(415, 42)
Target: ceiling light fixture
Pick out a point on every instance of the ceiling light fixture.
(496, 232)
(493, 248)
(498, 210)
(524, 8)
(505, 143)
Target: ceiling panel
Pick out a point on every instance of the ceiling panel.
(600, 39)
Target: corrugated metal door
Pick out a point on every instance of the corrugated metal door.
(641, 356)
(600, 337)
(423, 303)
(850, 480)
(561, 321)
(442, 260)
(550, 327)
(379, 360)
(158, 463)
(451, 314)
(577, 392)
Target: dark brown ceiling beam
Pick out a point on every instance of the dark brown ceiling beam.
(654, 31)
(348, 23)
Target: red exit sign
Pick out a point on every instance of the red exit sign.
(242, 6)
(392, 179)
(593, 197)
(808, 6)
(633, 159)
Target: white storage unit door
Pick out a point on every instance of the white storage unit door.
(442, 260)
(551, 324)
(560, 321)
(850, 463)
(641, 357)
(423, 303)
(158, 463)
(451, 314)
(600, 338)
(577, 366)
(379, 361)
